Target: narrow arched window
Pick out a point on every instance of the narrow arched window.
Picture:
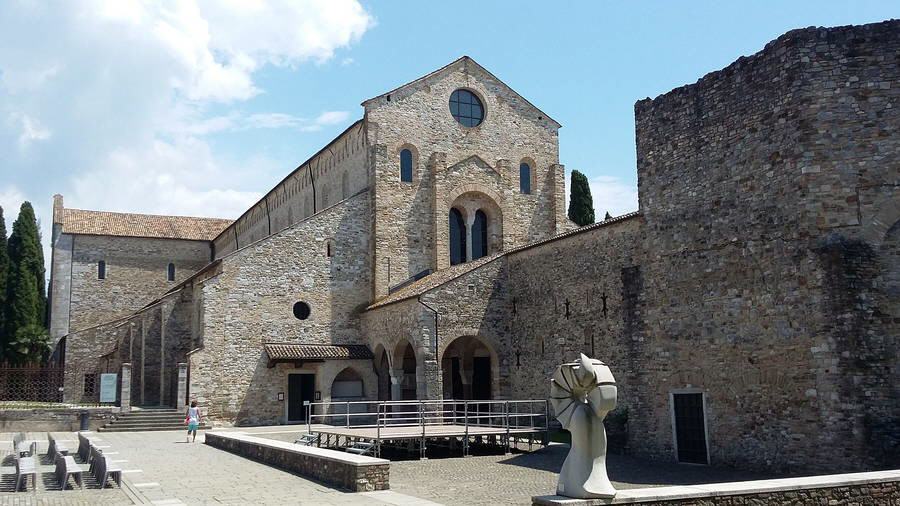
(329, 248)
(170, 272)
(479, 235)
(101, 269)
(524, 178)
(457, 237)
(406, 166)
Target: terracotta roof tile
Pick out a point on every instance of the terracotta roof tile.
(295, 351)
(78, 221)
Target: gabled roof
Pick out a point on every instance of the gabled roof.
(79, 221)
(463, 60)
(445, 276)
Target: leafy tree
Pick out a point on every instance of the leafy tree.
(581, 204)
(4, 274)
(26, 300)
(31, 345)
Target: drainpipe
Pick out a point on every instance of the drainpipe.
(436, 314)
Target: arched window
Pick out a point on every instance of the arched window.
(101, 269)
(406, 166)
(524, 178)
(329, 248)
(171, 272)
(457, 237)
(479, 235)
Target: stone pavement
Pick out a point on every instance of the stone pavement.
(46, 490)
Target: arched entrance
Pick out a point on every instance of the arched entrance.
(405, 372)
(469, 367)
(383, 370)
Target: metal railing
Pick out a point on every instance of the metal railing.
(500, 417)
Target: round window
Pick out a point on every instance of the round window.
(466, 108)
(301, 310)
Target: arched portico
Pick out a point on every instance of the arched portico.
(405, 367)
(470, 369)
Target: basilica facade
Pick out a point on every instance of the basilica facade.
(425, 253)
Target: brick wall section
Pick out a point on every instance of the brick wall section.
(331, 471)
(251, 302)
(337, 172)
(135, 274)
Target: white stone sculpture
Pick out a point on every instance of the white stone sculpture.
(582, 393)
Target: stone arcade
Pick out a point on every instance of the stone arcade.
(750, 304)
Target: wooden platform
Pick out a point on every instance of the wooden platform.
(396, 432)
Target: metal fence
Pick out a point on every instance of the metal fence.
(34, 384)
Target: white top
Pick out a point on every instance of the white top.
(194, 415)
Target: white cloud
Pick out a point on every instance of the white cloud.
(32, 130)
(611, 194)
(332, 117)
(11, 199)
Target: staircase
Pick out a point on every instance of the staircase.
(360, 448)
(145, 419)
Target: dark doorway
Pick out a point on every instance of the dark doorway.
(690, 428)
(408, 390)
(384, 378)
(301, 388)
(481, 378)
(456, 383)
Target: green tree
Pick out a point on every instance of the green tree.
(26, 300)
(581, 204)
(30, 345)
(4, 274)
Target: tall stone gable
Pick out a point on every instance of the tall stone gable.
(410, 220)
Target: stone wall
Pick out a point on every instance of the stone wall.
(411, 218)
(760, 287)
(54, 420)
(136, 273)
(355, 473)
(250, 302)
(336, 172)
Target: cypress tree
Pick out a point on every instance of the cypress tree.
(581, 204)
(26, 300)
(4, 274)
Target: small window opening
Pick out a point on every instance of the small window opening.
(170, 272)
(301, 310)
(406, 166)
(90, 384)
(101, 269)
(329, 249)
(524, 178)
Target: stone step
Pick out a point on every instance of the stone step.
(172, 416)
(147, 428)
(126, 423)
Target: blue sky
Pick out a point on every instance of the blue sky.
(199, 107)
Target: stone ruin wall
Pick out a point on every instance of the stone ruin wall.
(759, 287)
(336, 173)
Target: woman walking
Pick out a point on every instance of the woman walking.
(193, 421)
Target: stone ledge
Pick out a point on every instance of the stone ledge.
(357, 473)
(708, 493)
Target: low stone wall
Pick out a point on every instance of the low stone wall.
(356, 473)
(54, 419)
(875, 488)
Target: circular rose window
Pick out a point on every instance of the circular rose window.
(466, 108)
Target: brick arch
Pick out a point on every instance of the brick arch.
(486, 341)
(472, 188)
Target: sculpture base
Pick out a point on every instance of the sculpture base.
(555, 500)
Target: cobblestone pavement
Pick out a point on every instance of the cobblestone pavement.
(167, 470)
(46, 490)
(514, 479)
